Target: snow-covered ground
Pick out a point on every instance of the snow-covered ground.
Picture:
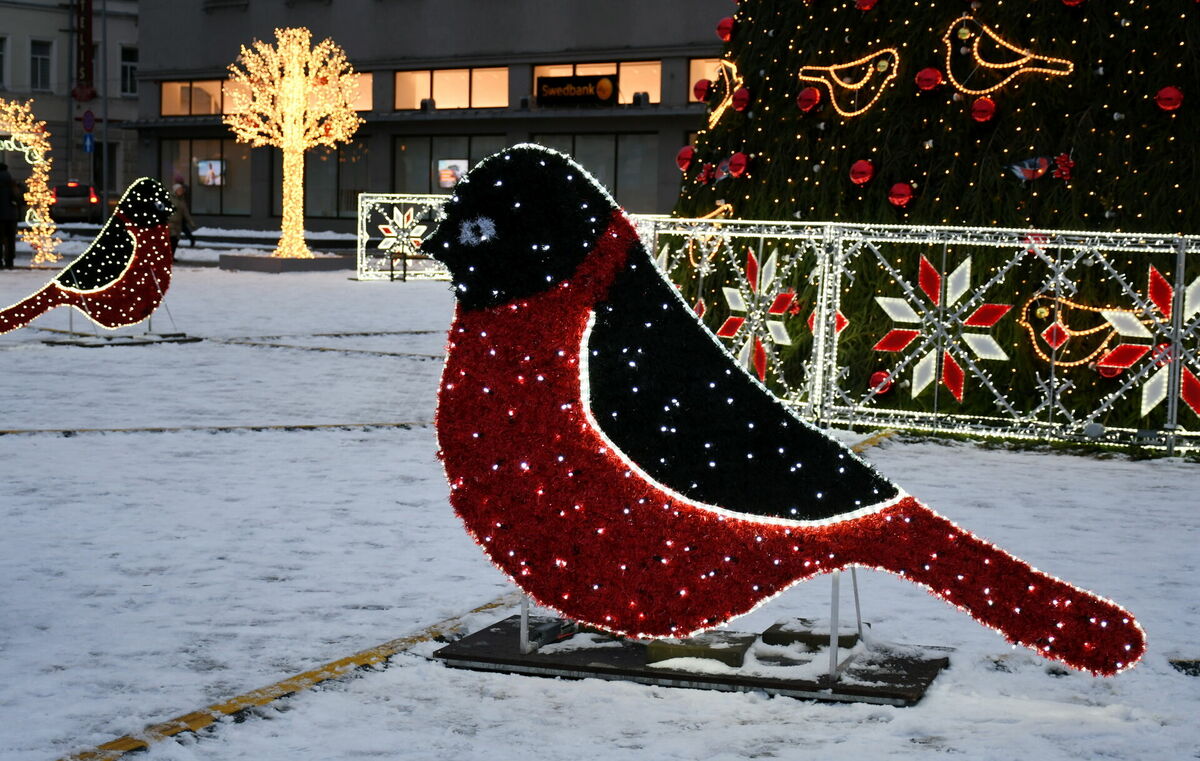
(145, 575)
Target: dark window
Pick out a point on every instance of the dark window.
(214, 172)
(39, 65)
(432, 164)
(333, 178)
(625, 164)
(129, 66)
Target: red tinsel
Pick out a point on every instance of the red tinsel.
(585, 533)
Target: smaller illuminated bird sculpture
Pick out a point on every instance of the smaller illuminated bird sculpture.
(122, 277)
(996, 61)
(856, 85)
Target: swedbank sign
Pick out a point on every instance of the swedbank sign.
(590, 90)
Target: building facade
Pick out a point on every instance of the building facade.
(70, 58)
(443, 83)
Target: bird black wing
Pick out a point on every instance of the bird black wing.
(677, 404)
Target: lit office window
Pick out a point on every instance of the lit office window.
(40, 54)
(190, 98)
(364, 99)
(129, 67)
(701, 68)
(632, 76)
(640, 76)
(228, 88)
(412, 87)
(489, 87)
(452, 88)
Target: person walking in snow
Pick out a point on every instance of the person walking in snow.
(10, 205)
(180, 220)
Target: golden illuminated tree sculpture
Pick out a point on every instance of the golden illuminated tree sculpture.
(292, 96)
(22, 132)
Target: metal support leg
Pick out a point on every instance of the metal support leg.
(525, 625)
(857, 607)
(834, 626)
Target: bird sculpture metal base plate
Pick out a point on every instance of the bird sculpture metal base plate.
(881, 675)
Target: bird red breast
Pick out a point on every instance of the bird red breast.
(613, 459)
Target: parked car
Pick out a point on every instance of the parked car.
(75, 202)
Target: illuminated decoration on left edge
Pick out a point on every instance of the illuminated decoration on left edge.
(122, 277)
(611, 458)
(22, 133)
(293, 96)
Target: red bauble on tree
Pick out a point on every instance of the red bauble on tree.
(900, 194)
(725, 28)
(881, 382)
(808, 99)
(683, 159)
(864, 5)
(741, 99)
(861, 172)
(738, 163)
(928, 78)
(1072, 3)
(1169, 98)
(702, 88)
(983, 109)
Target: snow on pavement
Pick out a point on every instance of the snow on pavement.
(150, 574)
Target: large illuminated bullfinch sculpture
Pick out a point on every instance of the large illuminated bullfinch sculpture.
(613, 459)
(122, 276)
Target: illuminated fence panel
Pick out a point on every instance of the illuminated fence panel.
(1015, 334)
(391, 228)
(1008, 333)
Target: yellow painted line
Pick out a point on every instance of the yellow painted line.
(873, 440)
(197, 720)
(211, 428)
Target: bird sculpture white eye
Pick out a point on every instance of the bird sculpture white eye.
(476, 231)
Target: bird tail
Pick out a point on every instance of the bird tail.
(31, 307)
(1057, 620)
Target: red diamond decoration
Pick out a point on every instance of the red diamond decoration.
(699, 308)
(930, 281)
(953, 376)
(731, 327)
(752, 271)
(987, 315)
(896, 340)
(782, 303)
(1190, 393)
(839, 321)
(387, 231)
(760, 359)
(1055, 335)
(1123, 356)
(1161, 292)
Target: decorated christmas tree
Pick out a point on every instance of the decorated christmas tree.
(1067, 114)
(1046, 114)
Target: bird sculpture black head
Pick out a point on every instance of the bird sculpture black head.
(552, 215)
